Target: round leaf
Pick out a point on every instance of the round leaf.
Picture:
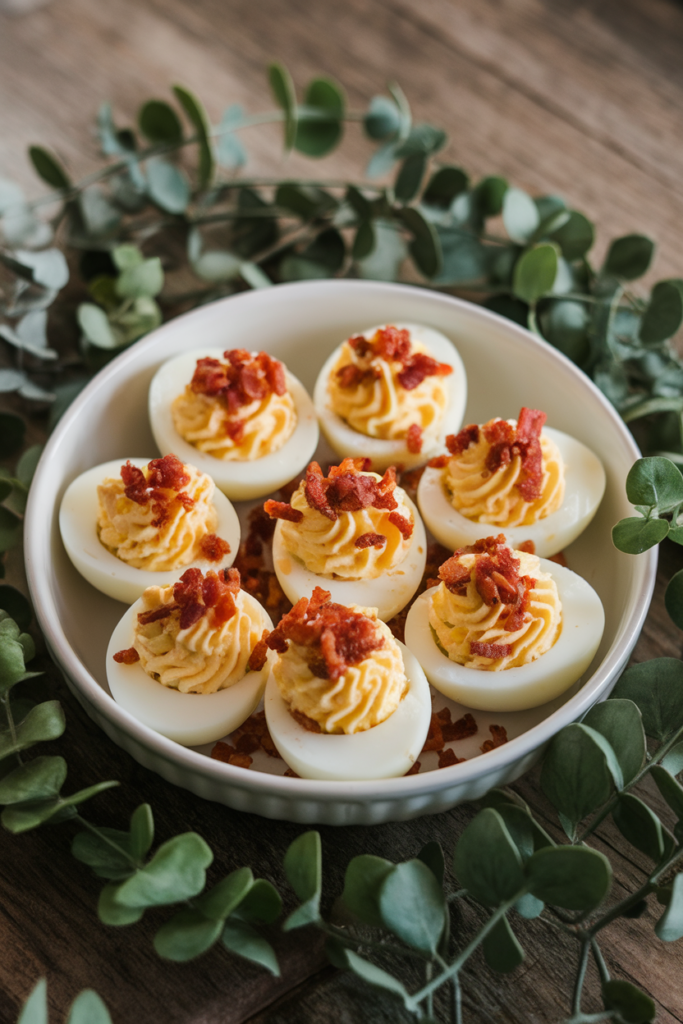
(318, 135)
(409, 178)
(575, 236)
(444, 186)
(573, 877)
(575, 776)
(490, 195)
(383, 118)
(502, 951)
(187, 935)
(362, 883)
(303, 865)
(283, 90)
(96, 327)
(535, 273)
(620, 722)
(364, 242)
(633, 1005)
(176, 872)
(520, 215)
(656, 483)
(40, 779)
(144, 280)
(487, 861)
(159, 122)
(629, 257)
(664, 314)
(669, 928)
(565, 325)
(425, 247)
(141, 831)
(88, 1008)
(167, 186)
(639, 825)
(34, 1010)
(411, 905)
(219, 902)
(635, 534)
(246, 942)
(656, 686)
(48, 168)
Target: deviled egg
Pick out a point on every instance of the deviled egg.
(532, 482)
(239, 416)
(189, 660)
(130, 526)
(392, 394)
(344, 700)
(353, 532)
(504, 630)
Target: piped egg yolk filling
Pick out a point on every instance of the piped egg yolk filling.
(339, 669)
(237, 410)
(350, 524)
(389, 387)
(494, 608)
(199, 635)
(506, 472)
(161, 517)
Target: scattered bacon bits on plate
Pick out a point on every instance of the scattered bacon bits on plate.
(499, 736)
(414, 769)
(214, 548)
(434, 739)
(449, 757)
(414, 438)
(461, 729)
(127, 657)
(226, 753)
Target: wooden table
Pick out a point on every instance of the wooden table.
(580, 99)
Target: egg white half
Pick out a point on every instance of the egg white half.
(239, 480)
(78, 525)
(383, 752)
(349, 442)
(188, 718)
(584, 488)
(515, 689)
(388, 593)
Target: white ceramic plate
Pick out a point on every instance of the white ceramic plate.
(507, 368)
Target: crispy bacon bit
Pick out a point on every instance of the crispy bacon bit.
(243, 379)
(144, 618)
(393, 345)
(414, 438)
(449, 757)
(282, 510)
(241, 760)
(336, 636)
(490, 650)
(347, 488)
(506, 442)
(370, 540)
(259, 654)
(439, 462)
(127, 657)
(309, 724)
(163, 475)
(527, 546)
(248, 743)
(419, 366)
(414, 768)
(455, 576)
(559, 558)
(214, 548)
(459, 443)
(404, 526)
(353, 376)
(227, 753)
(434, 739)
(462, 729)
(497, 579)
(234, 429)
(499, 737)
(195, 594)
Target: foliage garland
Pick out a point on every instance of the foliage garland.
(251, 233)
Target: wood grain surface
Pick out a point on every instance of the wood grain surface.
(582, 99)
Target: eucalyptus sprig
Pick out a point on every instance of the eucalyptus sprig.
(174, 190)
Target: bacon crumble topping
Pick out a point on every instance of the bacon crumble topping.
(414, 438)
(346, 488)
(259, 654)
(167, 474)
(243, 379)
(282, 510)
(195, 595)
(393, 345)
(336, 636)
(370, 540)
(213, 548)
(127, 657)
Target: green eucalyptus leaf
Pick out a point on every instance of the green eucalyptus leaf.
(176, 872)
(491, 194)
(671, 790)
(463, 256)
(664, 314)
(12, 434)
(502, 951)
(673, 761)
(318, 135)
(302, 201)
(383, 119)
(10, 531)
(412, 905)
(358, 202)
(321, 259)
(535, 273)
(621, 723)
(48, 168)
(144, 280)
(45, 722)
(34, 1010)
(629, 257)
(565, 326)
(95, 325)
(159, 122)
(167, 185)
(48, 267)
(673, 598)
(432, 855)
(422, 139)
(639, 825)
(107, 851)
(576, 775)
(656, 686)
(529, 907)
(486, 860)
(364, 241)
(15, 604)
(363, 881)
(219, 902)
(376, 976)
(40, 779)
(28, 462)
(635, 534)
(520, 216)
(382, 160)
(526, 834)
(633, 1006)
(88, 1008)
(282, 87)
(409, 177)
(669, 928)
(127, 256)
(303, 865)
(575, 236)
(187, 935)
(112, 913)
(444, 185)
(141, 831)
(261, 903)
(425, 247)
(245, 941)
(201, 124)
(573, 877)
(655, 482)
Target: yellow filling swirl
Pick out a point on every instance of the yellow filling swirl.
(127, 529)
(459, 620)
(201, 659)
(328, 548)
(493, 498)
(364, 696)
(203, 422)
(382, 407)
